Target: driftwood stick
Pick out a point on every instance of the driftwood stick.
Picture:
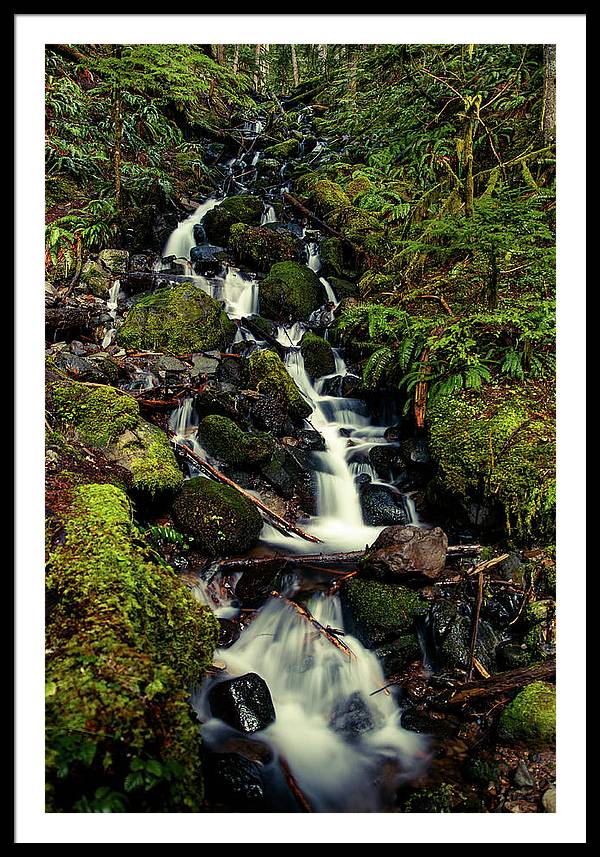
(489, 563)
(325, 632)
(475, 627)
(503, 682)
(278, 522)
(293, 559)
(293, 786)
(295, 203)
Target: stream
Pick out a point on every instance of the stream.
(341, 739)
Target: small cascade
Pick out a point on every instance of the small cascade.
(181, 240)
(341, 738)
(268, 215)
(314, 259)
(112, 304)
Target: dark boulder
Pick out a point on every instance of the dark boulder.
(352, 717)
(382, 505)
(403, 552)
(234, 781)
(243, 702)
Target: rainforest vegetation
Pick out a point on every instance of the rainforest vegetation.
(368, 296)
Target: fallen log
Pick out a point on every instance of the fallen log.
(295, 203)
(293, 786)
(276, 520)
(325, 632)
(489, 563)
(294, 559)
(502, 683)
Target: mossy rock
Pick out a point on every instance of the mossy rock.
(116, 261)
(225, 440)
(328, 197)
(260, 248)
(264, 324)
(125, 639)
(283, 151)
(337, 260)
(176, 320)
(437, 799)
(147, 454)
(380, 612)
(98, 414)
(218, 221)
(358, 186)
(290, 292)
(343, 288)
(221, 520)
(497, 450)
(318, 356)
(269, 376)
(95, 279)
(531, 717)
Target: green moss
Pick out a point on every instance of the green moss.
(150, 458)
(343, 288)
(99, 414)
(269, 376)
(235, 209)
(96, 279)
(260, 248)
(438, 799)
(499, 450)
(125, 639)
(381, 612)
(221, 520)
(221, 437)
(282, 151)
(358, 186)
(337, 259)
(290, 292)
(328, 197)
(318, 356)
(177, 320)
(530, 717)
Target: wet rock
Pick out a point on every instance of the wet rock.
(207, 260)
(218, 221)
(450, 633)
(204, 366)
(80, 368)
(233, 780)
(378, 613)
(221, 520)
(95, 279)
(243, 702)
(260, 247)
(312, 440)
(171, 365)
(229, 632)
(285, 472)
(267, 414)
(346, 386)
(176, 320)
(214, 400)
(400, 552)
(395, 656)
(233, 371)
(382, 505)
(199, 233)
(386, 461)
(337, 260)
(225, 440)
(269, 376)
(343, 288)
(531, 717)
(501, 608)
(113, 260)
(254, 586)
(351, 717)
(140, 262)
(290, 292)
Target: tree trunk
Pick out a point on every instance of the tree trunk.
(472, 106)
(549, 106)
(220, 54)
(257, 68)
(295, 66)
(323, 58)
(236, 59)
(118, 120)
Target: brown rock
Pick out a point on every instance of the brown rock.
(404, 552)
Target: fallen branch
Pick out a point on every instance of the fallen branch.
(325, 632)
(324, 227)
(293, 786)
(489, 563)
(503, 682)
(475, 627)
(276, 520)
(300, 559)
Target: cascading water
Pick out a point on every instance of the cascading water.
(337, 730)
(112, 306)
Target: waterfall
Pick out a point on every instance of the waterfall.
(314, 259)
(268, 215)
(181, 240)
(112, 305)
(315, 687)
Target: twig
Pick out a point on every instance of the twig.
(475, 628)
(325, 632)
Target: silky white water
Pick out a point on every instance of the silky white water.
(181, 240)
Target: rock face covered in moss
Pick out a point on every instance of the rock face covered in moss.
(224, 439)
(282, 151)
(530, 717)
(318, 356)
(235, 209)
(125, 641)
(221, 520)
(379, 612)
(501, 455)
(269, 376)
(337, 260)
(261, 248)
(176, 320)
(105, 418)
(290, 292)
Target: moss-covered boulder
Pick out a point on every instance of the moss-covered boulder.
(282, 151)
(318, 356)
(218, 221)
(105, 418)
(221, 520)
(290, 292)
(95, 279)
(531, 717)
(269, 376)
(260, 248)
(225, 440)
(125, 640)
(177, 320)
(379, 613)
(337, 260)
(114, 260)
(497, 453)
(343, 288)
(328, 197)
